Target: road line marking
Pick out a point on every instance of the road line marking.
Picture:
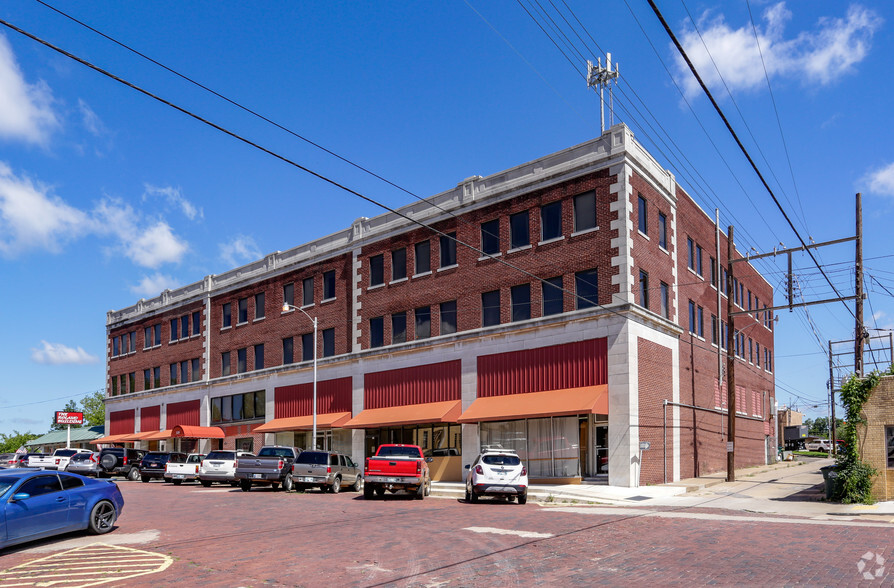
(717, 517)
(494, 530)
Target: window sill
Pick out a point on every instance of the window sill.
(306, 306)
(328, 300)
(643, 235)
(397, 281)
(517, 249)
(553, 240)
(375, 287)
(664, 250)
(448, 267)
(585, 231)
(258, 319)
(226, 328)
(488, 256)
(242, 324)
(422, 275)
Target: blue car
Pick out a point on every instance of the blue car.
(35, 504)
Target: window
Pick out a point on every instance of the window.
(490, 237)
(448, 249)
(690, 248)
(551, 221)
(644, 289)
(665, 300)
(175, 371)
(889, 445)
(423, 322)
(519, 232)
(750, 350)
(147, 380)
(175, 328)
(116, 346)
(114, 386)
(584, 212)
(422, 251)
(399, 264)
(736, 292)
(643, 225)
(714, 329)
(749, 300)
(307, 292)
(225, 363)
(133, 341)
(196, 322)
(448, 317)
(713, 272)
(399, 327)
(520, 297)
(288, 294)
(328, 342)
(587, 288)
(242, 311)
(41, 485)
(701, 322)
(698, 260)
(691, 316)
(377, 270)
(184, 372)
(238, 407)
(329, 285)
(490, 308)
(260, 311)
(288, 350)
(307, 347)
(259, 356)
(147, 337)
(123, 379)
(196, 371)
(553, 296)
(757, 353)
(156, 375)
(241, 366)
(376, 331)
(184, 327)
(662, 230)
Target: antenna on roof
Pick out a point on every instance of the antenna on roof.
(603, 76)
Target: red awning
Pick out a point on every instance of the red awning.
(157, 435)
(570, 401)
(111, 439)
(412, 414)
(193, 432)
(324, 421)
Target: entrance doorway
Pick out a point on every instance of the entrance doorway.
(584, 426)
(600, 446)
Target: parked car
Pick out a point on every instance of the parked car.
(153, 464)
(271, 466)
(61, 457)
(220, 466)
(18, 460)
(85, 464)
(6, 460)
(819, 445)
(497, 472)
(121, 461)
(397, 467)
(38, 460)
(328, 471)
(35, 504)
(177, 470)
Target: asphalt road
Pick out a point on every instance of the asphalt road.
(189, 535)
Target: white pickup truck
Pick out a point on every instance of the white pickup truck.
(188, 469)
(57, 461)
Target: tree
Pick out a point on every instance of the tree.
(70, 406)
(11, 443)
(93, 408)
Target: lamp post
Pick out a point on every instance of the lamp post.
(286, 307)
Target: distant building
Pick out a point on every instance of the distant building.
(877, 437)
(449, 340)
(787, 417)
(81, 438)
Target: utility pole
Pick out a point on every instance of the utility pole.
(858, 334)
(832, 402)
(603, 76)
(730, 364)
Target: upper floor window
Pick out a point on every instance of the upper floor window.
(665, 300)
(260, 311)
(196, 322)
(328, 342)
(448, 249)
(584, 212)
(691, 316)
(490, 237)
(448, 317)
(553, 296)
(698, 260)
(147, 337)
(551, 221)
(241, 360)
(175, 328)
(329, 285)
(376, 331)
(227, 312)
(288, 294)
(259, 356)
(307, 347)
(307, 292)
(490, 308)
(156, 333)
(519, 231)
(288, 350)
(690, 252)
(643, 289)
(586, 287)
(242, 307)
(641, 217)
(399, 327)
(225, 363)
(662, 230)
(399, 264)
(423, 322)
(422, 253)
(184, 327)
(377, 270)
(521, 302)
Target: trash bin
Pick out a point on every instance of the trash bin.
(831, 480)
(826, 470)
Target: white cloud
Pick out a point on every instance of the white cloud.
(31, 217)
(149, 244)
(879, 315)
(881, 181)
(25, 109)
(151, 286)
(175, 198)
(58, 354)
(816, 57)
(239, 250)
(91, 120)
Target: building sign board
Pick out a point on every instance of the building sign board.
(69, 418)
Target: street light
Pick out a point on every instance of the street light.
(286, 307)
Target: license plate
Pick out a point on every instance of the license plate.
(257, 475)
(306, 479)
(391, 479)
(179, 476)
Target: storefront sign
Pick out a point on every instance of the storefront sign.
(69, 418)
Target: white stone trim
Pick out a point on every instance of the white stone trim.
(356, 290)
(622, 209)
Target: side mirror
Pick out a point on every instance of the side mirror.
(20, 496)
(468, 466)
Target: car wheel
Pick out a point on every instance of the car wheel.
(358, 483)
(145, 479)
(206, 483)
(245, 485)
(367, 492)
(380, 492)
(428, 488)
(102, 517)
(420, 491)
(287, 484)
(473, 498)
(233, 484)
(468, 495)
(336, 485)
(177, 482)
(133, 474)
(523, 498)
(275, 486)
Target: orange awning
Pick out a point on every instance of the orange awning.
(157, 435)
(193, 432)
(329, 420)
(570, 401)
(412, 414)
(111, 439)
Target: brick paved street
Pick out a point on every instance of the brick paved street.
(224, 537)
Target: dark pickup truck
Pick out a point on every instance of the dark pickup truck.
(397, 467)
(271, 466)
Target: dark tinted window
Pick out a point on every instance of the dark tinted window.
(586, 288)
(399, 327)
(448, 317)
(276, 452)
(423, 257)
(521, 302)
(490, 236)
(288, 294)
(41, 485)
(243, 311)
(376, 331)
(288, 350)
(585, 211)
(69, 482)
(423, 322)
(328, 342)
(307, 292)
(448, 250)
(551, 221)
(376, 270)
(399, 264)
(312, 458)
(398, 452)
(519, 234)
(552, 296)
(221, 455)
(227, 315)
(329, 285)
(490, 308)
(64, 452)
(504, 460)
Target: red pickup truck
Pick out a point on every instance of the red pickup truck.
(397, 467)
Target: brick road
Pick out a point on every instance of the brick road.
(224, 537)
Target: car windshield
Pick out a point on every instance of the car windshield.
(5, 484)
(221, 455)
(501, 460)
(398, 452)
(275, 452)
(312, 458)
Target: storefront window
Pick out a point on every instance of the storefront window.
(238, 407)
(889, 445)
(548, 446)
(435, 440)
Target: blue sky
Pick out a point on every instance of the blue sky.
(107, 196)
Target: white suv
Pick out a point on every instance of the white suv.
(819, 445)
(497, 472)
(220, 466)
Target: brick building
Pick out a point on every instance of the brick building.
(567, 307)
(876, 437)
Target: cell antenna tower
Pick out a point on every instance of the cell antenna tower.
(602, 77)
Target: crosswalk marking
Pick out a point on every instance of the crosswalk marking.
(494, 530)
